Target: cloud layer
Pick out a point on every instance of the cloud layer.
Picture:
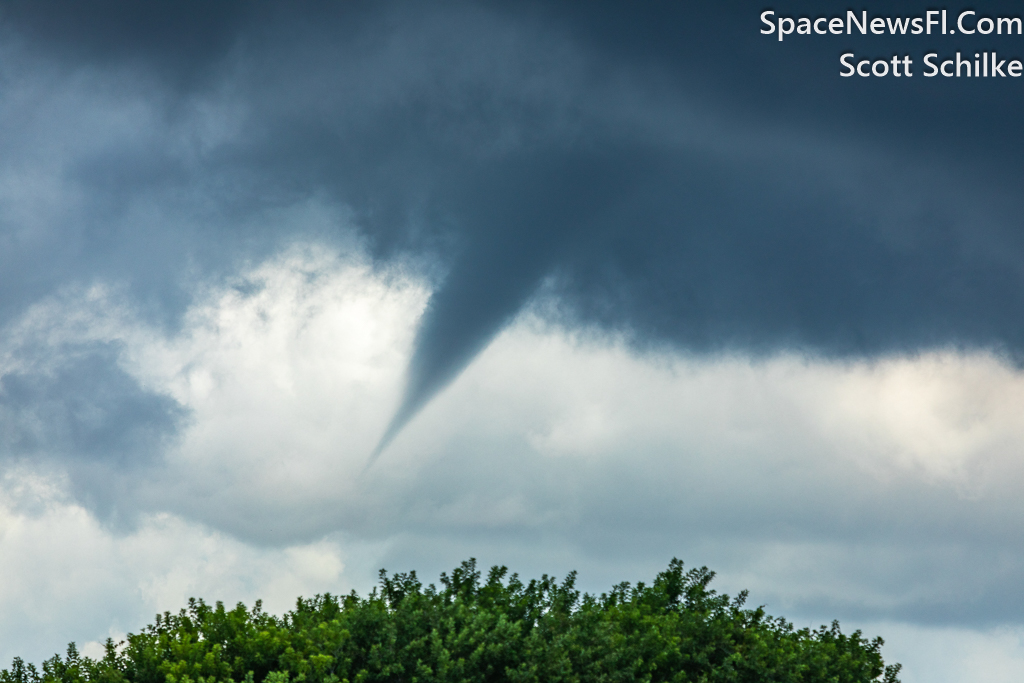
(865, 490)
(511, 150)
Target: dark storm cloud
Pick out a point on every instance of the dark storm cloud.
(181, 39)
(88, 416)
(88, 408)
(663, 170)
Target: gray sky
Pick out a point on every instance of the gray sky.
(290, 292)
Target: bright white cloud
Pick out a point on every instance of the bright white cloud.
(66, 577)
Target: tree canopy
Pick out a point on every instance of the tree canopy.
(474, 629)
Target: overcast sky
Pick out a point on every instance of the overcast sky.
(290, 292)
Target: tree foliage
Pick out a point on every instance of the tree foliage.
(474, 629)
